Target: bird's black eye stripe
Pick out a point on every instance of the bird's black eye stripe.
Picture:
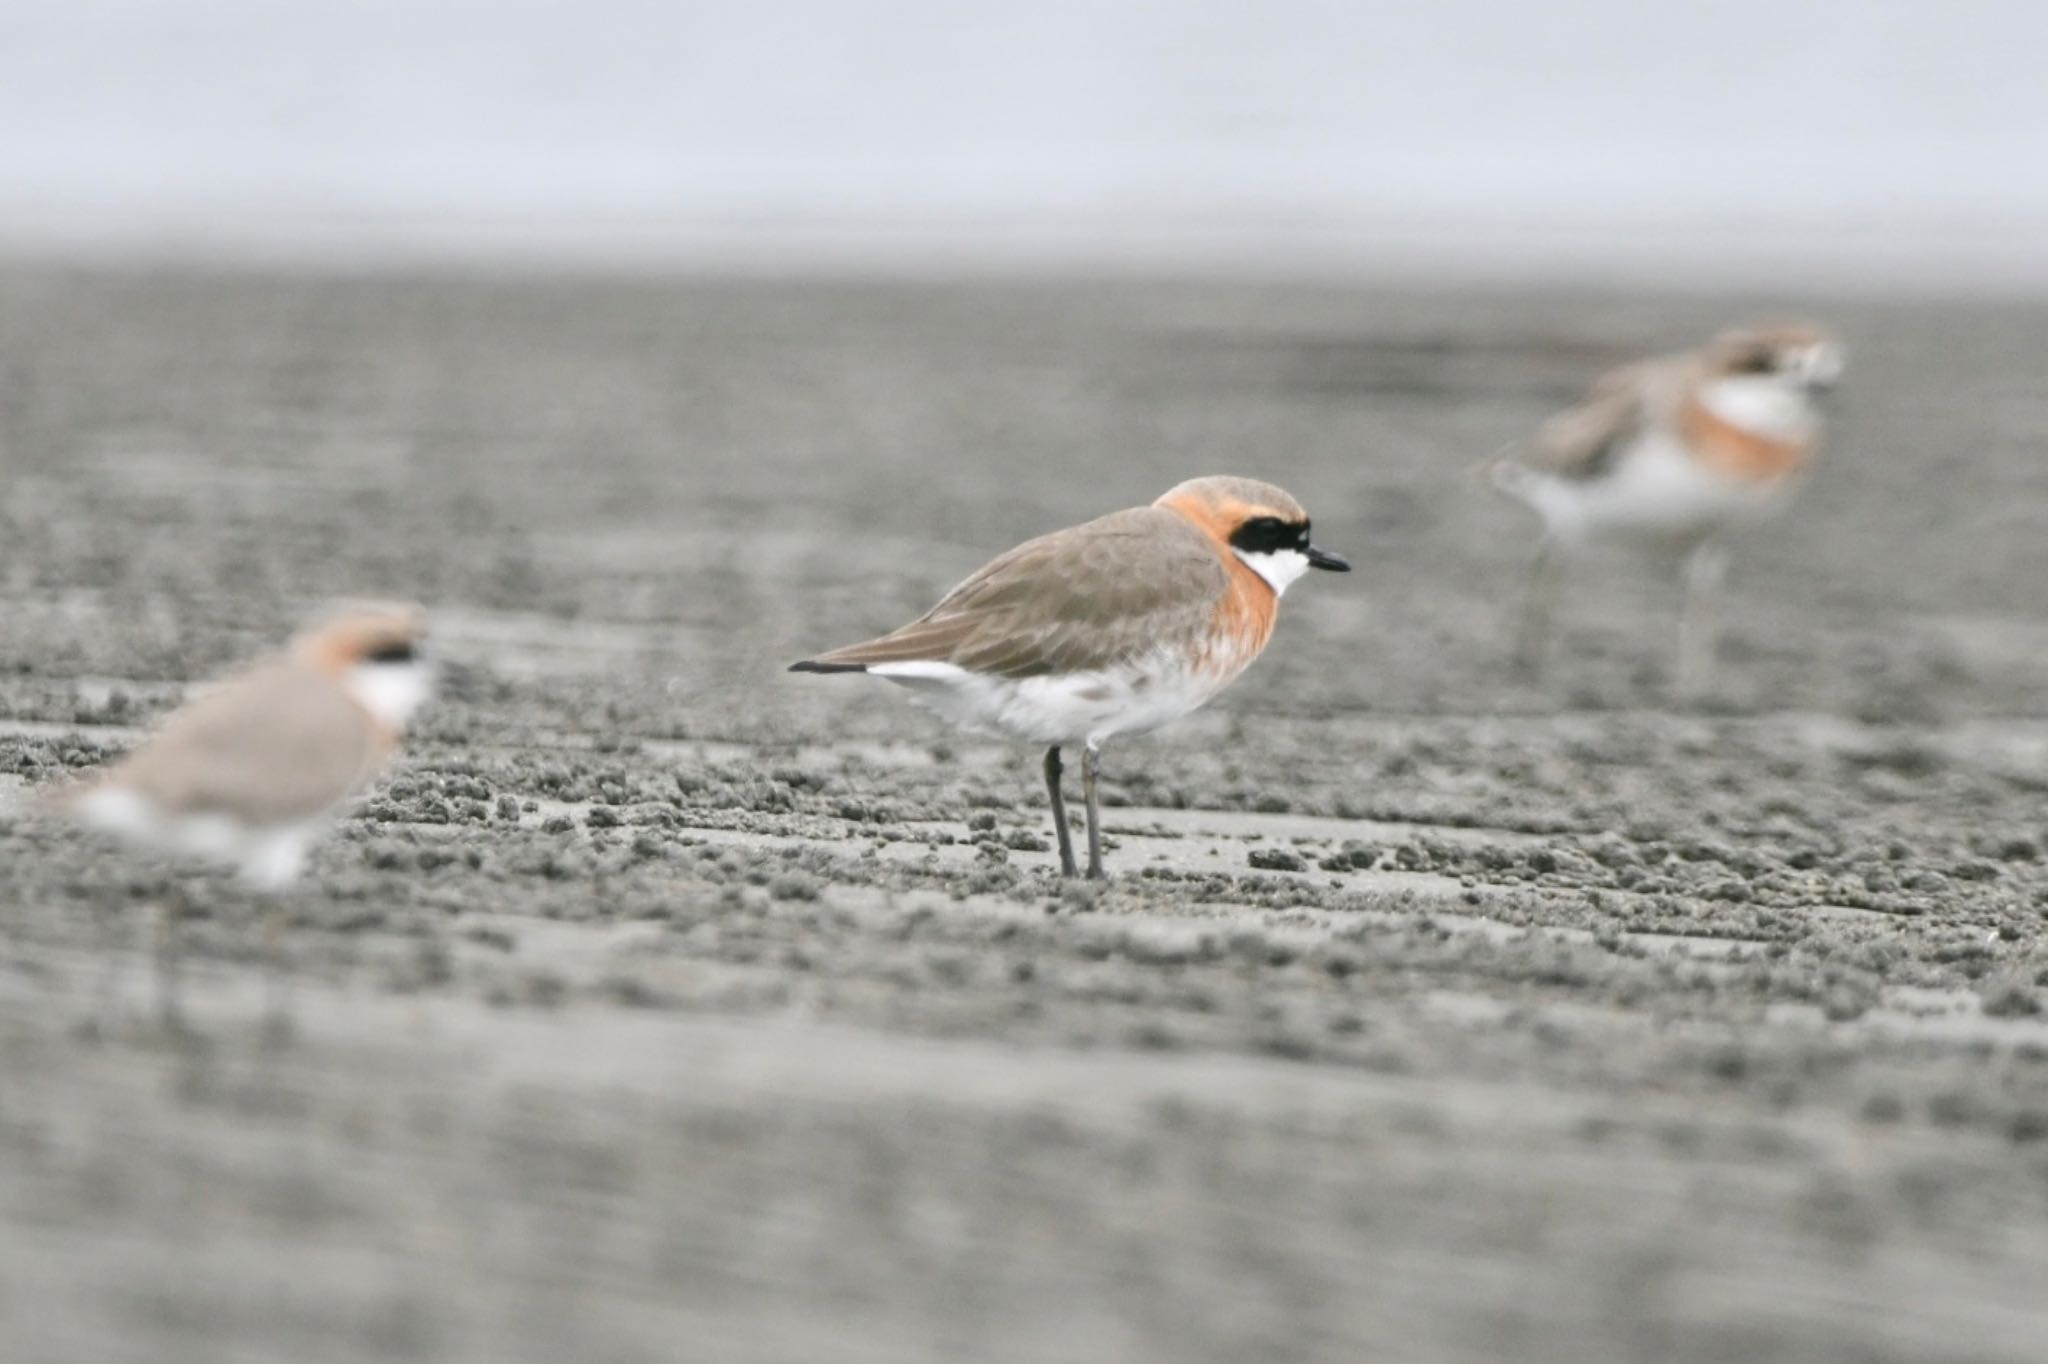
(401, 651)
(1265, 534)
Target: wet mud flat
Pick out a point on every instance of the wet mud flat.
(664, 1005)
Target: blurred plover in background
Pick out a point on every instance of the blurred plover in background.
(251, 772)
(1674, 451)
(1116, 626)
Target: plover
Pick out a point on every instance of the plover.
(250, 773)
(1114, 627)
(1674, 451)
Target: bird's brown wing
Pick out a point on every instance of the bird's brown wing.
(280, 742)
(1582, 440)
(1077, 600)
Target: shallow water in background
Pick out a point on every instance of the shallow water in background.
(1871, 143)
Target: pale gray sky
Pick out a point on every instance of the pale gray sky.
(1868, 133)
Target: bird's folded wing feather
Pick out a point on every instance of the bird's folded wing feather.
(1090, 597)
(280, 742)
(1580, 441)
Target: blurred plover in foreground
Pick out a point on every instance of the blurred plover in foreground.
(1676, 450)
(251, 773)
(1113, 627)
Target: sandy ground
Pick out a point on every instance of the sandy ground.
(664, 1005)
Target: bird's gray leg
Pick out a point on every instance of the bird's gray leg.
(169, 911)
(1539, 604)
(113, 963)
(1059, 812)
(1091, 764)
(1705, 568)
(277, 1010)
(269, 878)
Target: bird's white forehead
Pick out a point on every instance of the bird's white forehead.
(1822, 360)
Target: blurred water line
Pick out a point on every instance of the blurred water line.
(1846, 141)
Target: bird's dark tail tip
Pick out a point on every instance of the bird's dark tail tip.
(812, 665)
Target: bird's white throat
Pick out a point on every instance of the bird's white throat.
(1763, 404)
(391, 691)
(1279, 567)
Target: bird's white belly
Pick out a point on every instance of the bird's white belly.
(268, 857)
(1063, 708)
(1656, 490)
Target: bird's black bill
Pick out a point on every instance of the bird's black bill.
(1319, 557)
